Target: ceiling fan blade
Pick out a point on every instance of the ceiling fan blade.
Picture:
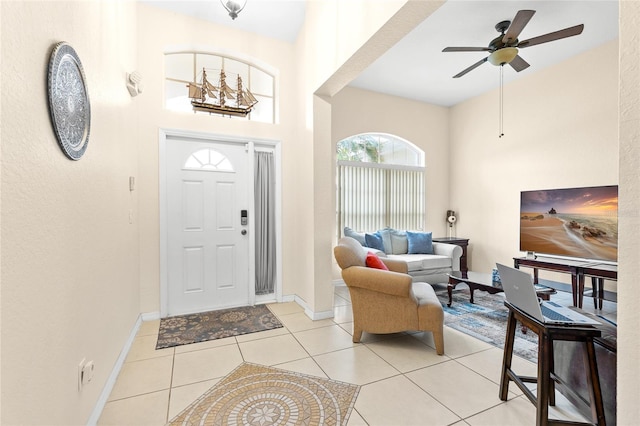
(471, 68)
(519, 64)
(517, 25)
(557, 35)
(466, 49)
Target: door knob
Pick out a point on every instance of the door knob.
(243, 232)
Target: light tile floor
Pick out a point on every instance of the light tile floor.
(404, 381)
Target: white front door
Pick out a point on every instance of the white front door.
(207, 242)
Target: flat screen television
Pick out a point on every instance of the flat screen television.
(571, 222)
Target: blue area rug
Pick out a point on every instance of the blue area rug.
(486, 320)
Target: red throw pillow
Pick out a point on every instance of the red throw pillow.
(374, 261)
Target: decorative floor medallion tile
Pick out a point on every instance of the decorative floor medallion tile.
(258, 395)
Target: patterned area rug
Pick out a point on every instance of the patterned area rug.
(258, 395)
(194, 328)
(486, 319)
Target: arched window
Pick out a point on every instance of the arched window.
(183, 68)
(208, 159)
(380, 148)
(380, 183)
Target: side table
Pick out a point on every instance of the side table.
(462, 242)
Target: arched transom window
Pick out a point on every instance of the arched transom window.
(183, 68)
(208, 159)
(379, 148)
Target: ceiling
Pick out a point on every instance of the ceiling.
(280, 19)
(416, 68)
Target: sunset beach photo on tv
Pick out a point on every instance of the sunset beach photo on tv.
(572, 222)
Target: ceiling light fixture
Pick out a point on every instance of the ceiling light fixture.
(503, 56)
(234, 7)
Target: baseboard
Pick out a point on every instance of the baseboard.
(289, 298)
(150, 316)
(111, 380)
(315, 316)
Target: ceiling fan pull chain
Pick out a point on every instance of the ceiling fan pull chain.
(501, 112)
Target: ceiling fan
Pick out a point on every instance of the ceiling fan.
(504, 48)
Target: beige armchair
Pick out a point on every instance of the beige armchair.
(387, 301)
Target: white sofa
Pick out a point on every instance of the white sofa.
(431, 268)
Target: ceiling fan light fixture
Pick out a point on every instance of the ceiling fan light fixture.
(233, 7)
(503, 56)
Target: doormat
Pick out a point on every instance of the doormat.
(205, 326)
(486, 320)
(260, 395)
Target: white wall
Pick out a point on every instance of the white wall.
(69, 255)
(561, 131)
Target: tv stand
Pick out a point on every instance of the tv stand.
(578, 270)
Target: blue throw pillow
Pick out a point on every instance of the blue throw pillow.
(358, 236)
(419, 242)
(374, 241)
(399, 243)
(386, 239)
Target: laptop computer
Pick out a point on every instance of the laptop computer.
(520, 292)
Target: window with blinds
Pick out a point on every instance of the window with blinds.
(380, 183)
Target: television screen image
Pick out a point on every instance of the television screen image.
(571, 222)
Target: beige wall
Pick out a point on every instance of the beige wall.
(331, 37)
(358, 111)
(362, 35)
(561, 131)
(69, 255)
(73, 279)
(629, 225)
(193, 34)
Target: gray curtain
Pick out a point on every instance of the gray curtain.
(264, 180)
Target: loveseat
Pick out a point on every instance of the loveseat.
(427, 261)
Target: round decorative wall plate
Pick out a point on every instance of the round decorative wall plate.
(69, 101)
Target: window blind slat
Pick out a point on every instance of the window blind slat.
(371, 198)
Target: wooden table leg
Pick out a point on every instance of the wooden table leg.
(574, 288)
(600, 292)
(544, 377)
(507, 356)
(593, 383)
(471, 290)
(452, 284)
(580, 291)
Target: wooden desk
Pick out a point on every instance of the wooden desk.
(578, 270)
(598, 273)
(546, 378)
